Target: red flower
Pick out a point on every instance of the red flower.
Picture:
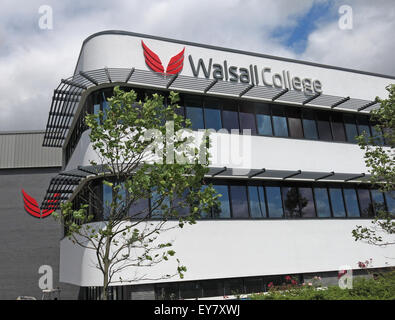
(288, 278)
(270, 285)
(294, 282)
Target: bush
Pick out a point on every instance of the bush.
(380, 288)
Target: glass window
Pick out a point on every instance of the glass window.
(106, 107)
(351, 127)
(213, 118)
(96, 109)
(223, 211)
(291, 202)
(181, 206)
(274, 202)
(195, 114)
(378, 200)
(233, 286)
(294, 122)
(159, 205)
(253, 285)
(263, 119)
(338, 127)
(280, 126)
(324, 128)
(256, 196)
(212, 288)
(390, 200)
(167, 291)
(365, 203)
(247, 117)
(230, 118)
(190, 290)
(107, 200)
(350, 197)
(139, 209)
(337, 202)
(309, 125)
(363, 125)
(377, 134)
(322, 202)
(306, 202)
(238, 196)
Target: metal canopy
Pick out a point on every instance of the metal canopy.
(65, 183)
(67, 95)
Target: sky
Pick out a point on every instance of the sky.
(33, 60)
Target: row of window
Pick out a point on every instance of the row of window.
(261, 118)
(247, 200)
(275, 120)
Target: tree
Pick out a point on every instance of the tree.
(379, 157)
(144, 153)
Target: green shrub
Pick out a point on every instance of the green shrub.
(380, 288)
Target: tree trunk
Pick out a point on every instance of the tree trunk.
(106, 265)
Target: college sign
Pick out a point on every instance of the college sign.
(251, 74)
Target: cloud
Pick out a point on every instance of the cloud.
(33, 61)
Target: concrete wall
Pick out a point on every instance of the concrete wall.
(27, 242)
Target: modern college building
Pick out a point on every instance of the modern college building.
(287, 209)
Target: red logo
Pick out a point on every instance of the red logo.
(32, 208)
(155, 64)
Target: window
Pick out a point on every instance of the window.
(274, 202)
(291, 202)
(322, 202)
(306, 202)
(324, 128)
(338, 127)
(212, 118)
(351, 127)
(195, 114)
(351, 200)
(253, 285)
(309, 125)
(390, 200)
(264, 120)
(377, 134)
(167, 291)
(365, 203)
(160, 205)
(233, 286)
(238, 196)
(337, 202)
(223, 211)
(139, 209)
(294, 122)
(229, 115)
(212, 288)
(247, 117)
(190, 290)
(107, 200)
(378, 201)
(256, 197)
(279, 122)
(363, 125)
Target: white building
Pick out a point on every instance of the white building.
(303, 117)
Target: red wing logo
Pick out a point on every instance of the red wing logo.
(153, 61)
(32, 208)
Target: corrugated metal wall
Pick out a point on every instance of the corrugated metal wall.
(25, 150)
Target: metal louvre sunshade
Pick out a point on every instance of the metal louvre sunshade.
(65, 183)
(67, 95)
(286, 174)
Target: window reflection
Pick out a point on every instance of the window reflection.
(306, 201)
(351, 200)
(337, 202)
(365, 203)
(263, 119)
(274, 202)
(294, 122)
(390, 200)
(223, 210)
(322, 202)
(230, 116)
(256, 196)
(378, 201)
(238, 196)
(195, 114)
(291, 202)
(280, 127)
(309, 125)
(338, 127)
(324, 129)
(247, 117)
(351, 127)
